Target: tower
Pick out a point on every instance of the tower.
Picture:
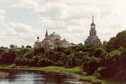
(92, 38)
(46, 35)
(92, 31)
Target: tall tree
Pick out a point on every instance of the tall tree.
(58, 43)
(12, 46)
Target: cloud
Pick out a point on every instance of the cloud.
(75, 29)
(9, 32)
(2, 11)
(1, 18)
(118, 25)
(20, 30)
(65, 12)
(116, 13)
(48, 23)
(25, 4)
(19, 27)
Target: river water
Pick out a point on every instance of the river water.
(36, 77)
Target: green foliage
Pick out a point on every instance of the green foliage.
(28, 56)
(44, 62)
(91, 64)
(58, 43)
(18, 61)
(96, 81)
(34, 61)
(74, 61)
(68, 51)
(39, 50)
(121, 49)
(12, 46)
(99, 52)
(9, 57)
(1, 51)
(121, 76)
(86, 78)
(12, 65)
(117, 42)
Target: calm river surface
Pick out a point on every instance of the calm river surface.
(36, 77)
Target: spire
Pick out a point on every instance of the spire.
(46, 35)
(38, 38)
(46, 32)
(92, 18)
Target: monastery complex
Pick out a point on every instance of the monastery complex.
(49, 42)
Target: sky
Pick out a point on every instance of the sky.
(21, 21)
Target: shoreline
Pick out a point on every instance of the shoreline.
(79, 76)
(74, 79)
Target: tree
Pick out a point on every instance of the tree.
(8, 58)
(68, 51)
(28, 46)
(58, 43)
(39, 50)
(22, 46)
(99, 52)
(12, 46)
(117, 42)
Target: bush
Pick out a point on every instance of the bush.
(99, 52)
(44, 62)
(91, 65)
(121, 76)
(18, 61)
(28, 56)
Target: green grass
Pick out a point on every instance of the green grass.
(96, 81)
(86, 78)
(11, 66)
(3, 73)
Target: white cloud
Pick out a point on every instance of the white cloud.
(2, 11)
(8, 32)
(64, 12)
(116, 13)
(48, 23)
(25, 4)
(19, 27)
(76, 29)
(1, 18)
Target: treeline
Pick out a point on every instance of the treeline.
(103, 61)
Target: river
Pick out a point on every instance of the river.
(36, 77)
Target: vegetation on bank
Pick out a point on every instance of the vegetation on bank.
(3, 74)
(107, 61)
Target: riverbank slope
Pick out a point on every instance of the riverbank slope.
(80, 75)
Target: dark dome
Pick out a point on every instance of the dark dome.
(54, 35)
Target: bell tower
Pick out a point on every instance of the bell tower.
(92, 31)
(46, 35)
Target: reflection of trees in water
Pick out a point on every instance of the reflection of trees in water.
(34, 77)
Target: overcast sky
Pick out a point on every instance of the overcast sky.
(21, 21)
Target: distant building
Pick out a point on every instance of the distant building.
(49, 41)
(92, 38)
(6, 49)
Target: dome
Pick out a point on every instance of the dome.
(54, 35)
(64, 40)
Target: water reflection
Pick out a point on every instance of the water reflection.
(35, 77)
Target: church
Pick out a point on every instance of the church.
(92, 38)
(49, 41)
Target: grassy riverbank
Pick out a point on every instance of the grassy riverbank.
(76, 70)
(3, 73)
